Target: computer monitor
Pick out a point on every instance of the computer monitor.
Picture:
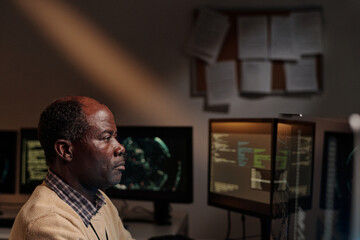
(337, 182)
(33, 168)
(158, 164)
(8, 142)
(260, 167)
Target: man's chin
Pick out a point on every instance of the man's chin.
(112, 182)
(116, 180)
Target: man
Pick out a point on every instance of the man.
(78, 135)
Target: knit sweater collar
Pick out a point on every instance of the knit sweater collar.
(81, 205)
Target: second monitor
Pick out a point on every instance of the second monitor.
(261, 167)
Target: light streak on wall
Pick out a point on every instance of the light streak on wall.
(108, 66)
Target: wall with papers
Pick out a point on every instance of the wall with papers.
(256, 51)
(131, 57)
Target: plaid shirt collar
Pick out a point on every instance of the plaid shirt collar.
(81, 205)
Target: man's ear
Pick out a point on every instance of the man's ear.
(64, 149)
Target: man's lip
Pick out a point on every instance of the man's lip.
(120, 166)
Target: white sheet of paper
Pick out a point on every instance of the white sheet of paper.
(252, 37)
(256, 76)
(208, 36)
(301, 75)
(308, 32)
(221, 82)
(283, 45)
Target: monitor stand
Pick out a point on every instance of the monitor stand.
(162, 213)
(265, 228)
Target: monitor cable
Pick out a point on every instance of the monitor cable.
(243, 226)
(229, 225)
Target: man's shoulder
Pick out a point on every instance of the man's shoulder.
(43, 214)
(42, 197)
(44, 202)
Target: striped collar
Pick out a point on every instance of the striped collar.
(81, 205)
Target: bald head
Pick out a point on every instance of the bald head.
(65, 118)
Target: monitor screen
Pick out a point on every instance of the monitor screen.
(33, 168)
(7, 161)
(253, 164)
(158, 164)
(240, 164)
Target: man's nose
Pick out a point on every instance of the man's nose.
(119, 148)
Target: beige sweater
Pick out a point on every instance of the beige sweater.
(46, 216)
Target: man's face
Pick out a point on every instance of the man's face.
(97, 160)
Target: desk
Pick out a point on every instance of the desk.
(6, 220)
(145, 230)
(4, 233)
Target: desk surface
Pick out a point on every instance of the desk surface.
(4, 233)
(143, 230)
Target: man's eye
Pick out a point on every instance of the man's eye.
(107, 138)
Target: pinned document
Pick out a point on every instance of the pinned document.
(308, 32)
(301, 75)
(208, 36)
(255, 77)
(252, 37)
(283, 45)
(221, 83)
